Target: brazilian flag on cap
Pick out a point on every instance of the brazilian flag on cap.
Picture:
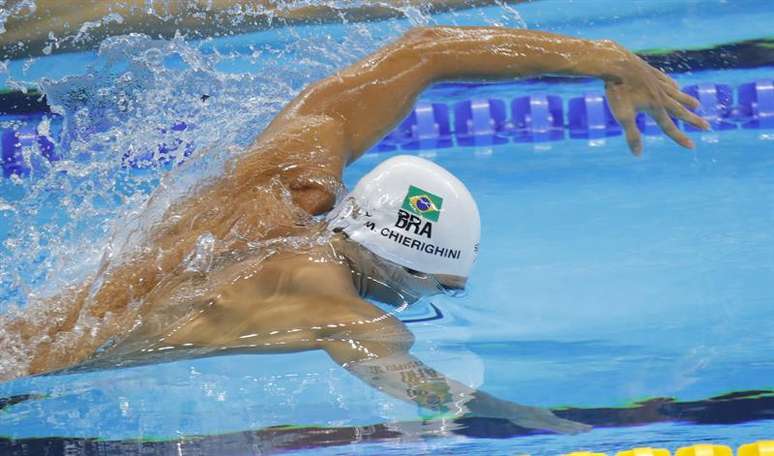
(422, 203)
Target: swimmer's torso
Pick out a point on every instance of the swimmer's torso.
(281, 302)
(159, 281)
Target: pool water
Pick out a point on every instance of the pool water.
(602, 280)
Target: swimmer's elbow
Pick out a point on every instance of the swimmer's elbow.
(374, 339)
(390, 333)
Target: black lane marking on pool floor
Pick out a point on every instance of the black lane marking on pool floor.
(733, 408)
(6, 402)
(741, 54)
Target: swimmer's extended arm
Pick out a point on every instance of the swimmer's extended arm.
(380, 357)
(366, 100)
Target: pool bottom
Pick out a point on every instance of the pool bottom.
(739, 408)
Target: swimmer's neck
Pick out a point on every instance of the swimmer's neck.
(376, 279)
(354, 256)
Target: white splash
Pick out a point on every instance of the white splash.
(147, 99)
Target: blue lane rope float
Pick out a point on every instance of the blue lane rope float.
(539, 118)
(716, 105)
(589, 117)
(469, 123)
(480, 122)
(756, 104)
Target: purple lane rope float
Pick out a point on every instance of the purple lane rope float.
(470, 123)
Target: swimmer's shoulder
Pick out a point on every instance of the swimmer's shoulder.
(306, 153)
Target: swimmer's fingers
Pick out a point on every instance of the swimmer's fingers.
(663, 77)
(679, 101)
(623, 110)
(684, 99)
(633, 137)
(673, 89)
(663, 120)
(679, 111)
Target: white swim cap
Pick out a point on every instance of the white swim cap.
(414, 213)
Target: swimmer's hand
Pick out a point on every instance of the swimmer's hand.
(486, 405)
(633, 86)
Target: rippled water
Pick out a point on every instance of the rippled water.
(129, 100)
(594, 272)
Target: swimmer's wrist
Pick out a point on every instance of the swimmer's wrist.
(603, 59)
(613, 61)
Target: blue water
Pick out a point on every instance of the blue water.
(602, 280)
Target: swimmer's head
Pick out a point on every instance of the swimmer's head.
(415, 214)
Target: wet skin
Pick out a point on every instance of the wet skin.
(255, 291)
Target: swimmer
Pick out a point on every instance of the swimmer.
(263, 259)
(55, 26)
